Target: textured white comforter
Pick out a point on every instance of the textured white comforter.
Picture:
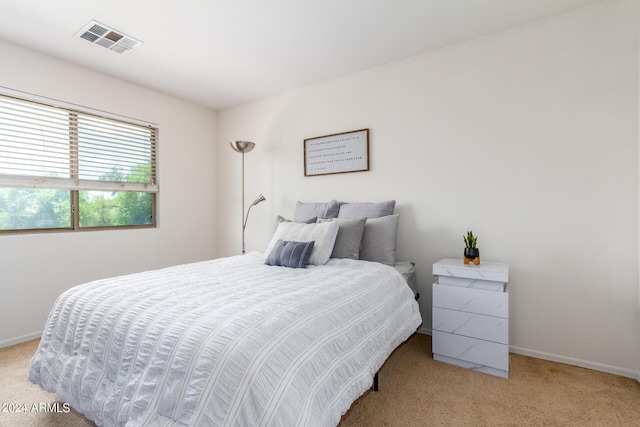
(225, 342)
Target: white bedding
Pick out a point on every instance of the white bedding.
(225, 342)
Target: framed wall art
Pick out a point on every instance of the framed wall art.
(337, 153)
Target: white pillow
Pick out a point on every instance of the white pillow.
(323, 234)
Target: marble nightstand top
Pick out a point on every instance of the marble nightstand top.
(493, 271)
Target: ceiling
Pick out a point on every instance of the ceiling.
(221, 53)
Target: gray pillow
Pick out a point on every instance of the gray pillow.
(290, 254)
(379, 239)
(366, 209)
(349, 237)
(304, 210)
(280, 219)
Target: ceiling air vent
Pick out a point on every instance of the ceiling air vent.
(104, 36)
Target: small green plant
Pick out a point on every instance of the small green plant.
(470, 240)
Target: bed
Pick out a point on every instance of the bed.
(232, 341)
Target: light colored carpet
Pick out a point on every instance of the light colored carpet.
(415, 390)
(16, 390)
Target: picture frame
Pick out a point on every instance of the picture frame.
(337, 153)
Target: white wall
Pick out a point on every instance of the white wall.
(528, 137)
(35, 268)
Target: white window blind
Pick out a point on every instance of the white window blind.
(46, 146)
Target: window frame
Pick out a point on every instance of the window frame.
(73, 143)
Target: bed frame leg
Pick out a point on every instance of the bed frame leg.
(375, 382)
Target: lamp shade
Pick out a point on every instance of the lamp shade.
(242, 146)
(258, 200)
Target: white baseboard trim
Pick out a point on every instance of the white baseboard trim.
(424, 331)
(19, 340)
(566, 360)
(575, 362)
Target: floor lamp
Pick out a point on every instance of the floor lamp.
(245, 147)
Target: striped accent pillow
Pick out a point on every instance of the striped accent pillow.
(287, 253)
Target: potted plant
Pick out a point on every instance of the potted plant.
(471, 251)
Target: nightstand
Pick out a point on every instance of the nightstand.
(471, 315)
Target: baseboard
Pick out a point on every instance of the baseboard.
(576, 362)
(566, 360)
(19, 340)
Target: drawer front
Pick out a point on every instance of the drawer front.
(472, 350)
(472, 325)
(477, 301)
(472, 283)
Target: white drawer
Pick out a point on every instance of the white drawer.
(472, 325)
(472, 283)
(473, 350)
(477, 301)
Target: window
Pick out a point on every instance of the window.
(62, 168)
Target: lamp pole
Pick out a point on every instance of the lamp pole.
(245, 147)
(242, 213)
